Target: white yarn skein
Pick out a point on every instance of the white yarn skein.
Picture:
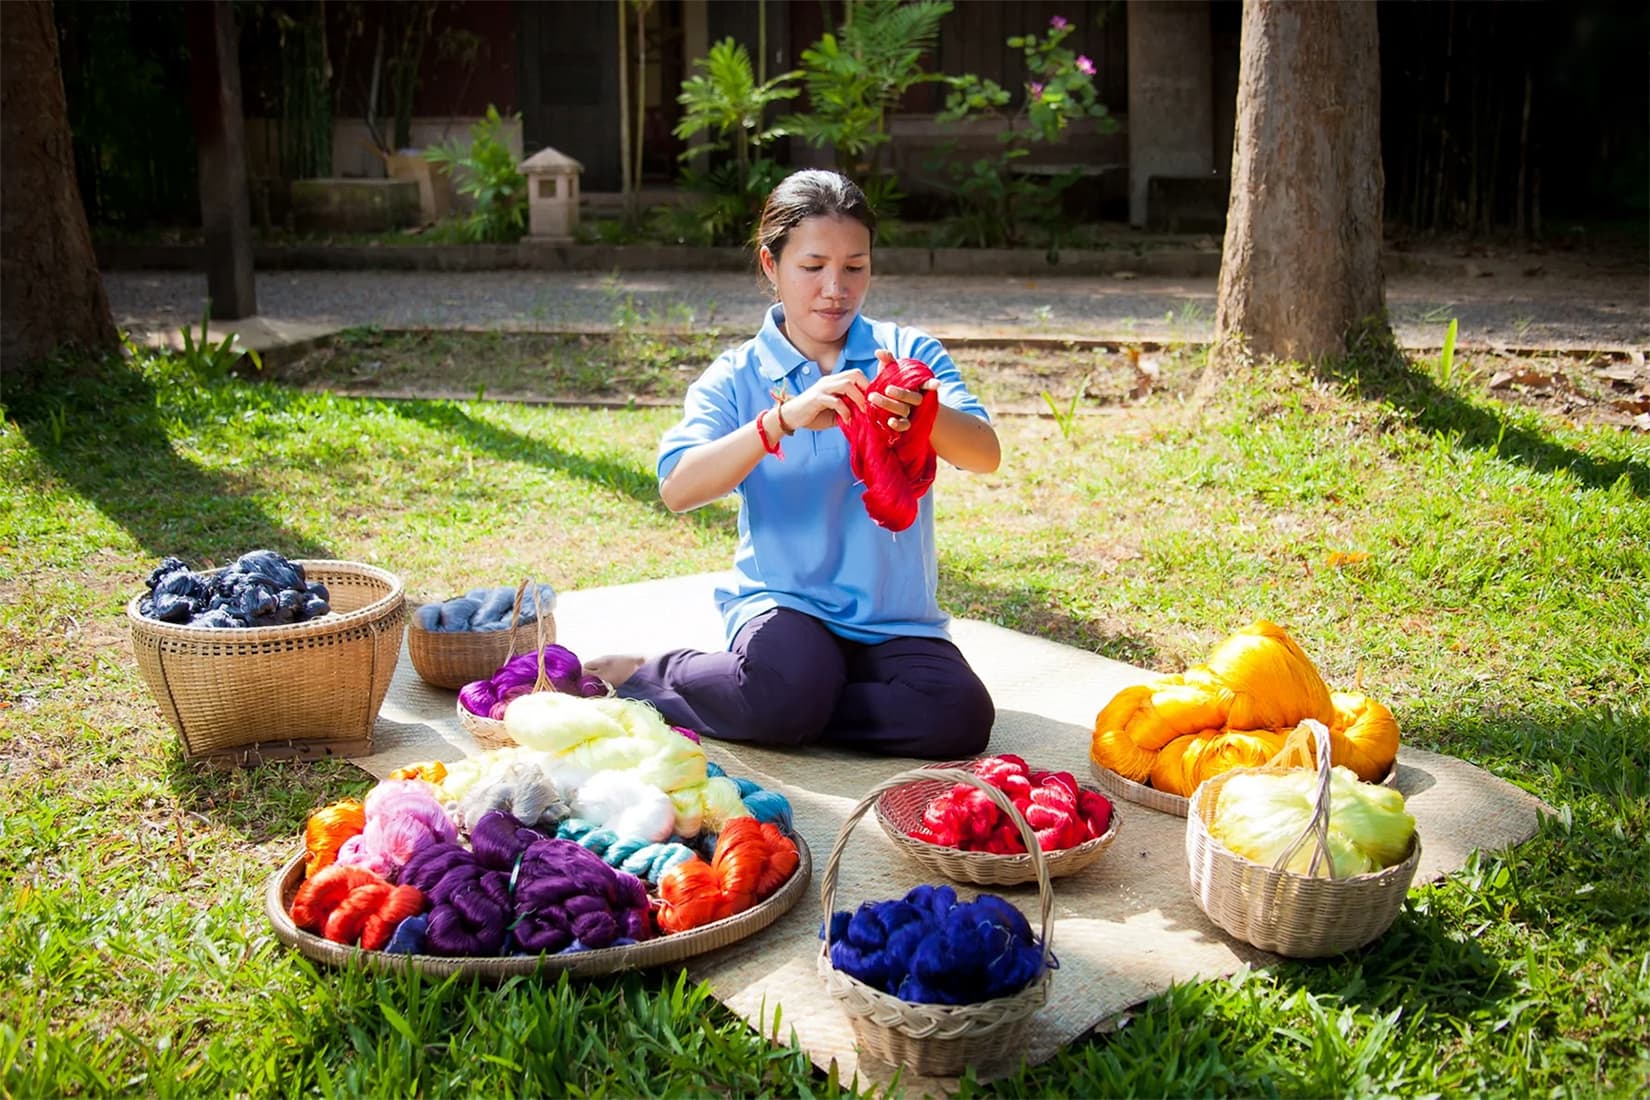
(626, 805)
(520, 789)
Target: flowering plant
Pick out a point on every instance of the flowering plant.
(998, 201)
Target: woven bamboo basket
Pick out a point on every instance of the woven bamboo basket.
(307, 690)
(490, 733)
(900, 810)
(1300, 916)
(1123, 787)
(450, 661)
(283, 885)
(936, 1040)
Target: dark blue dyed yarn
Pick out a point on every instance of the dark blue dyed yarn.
(929, 948)
(409, 936)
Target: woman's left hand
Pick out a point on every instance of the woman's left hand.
(897, 401)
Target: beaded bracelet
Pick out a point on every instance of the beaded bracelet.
(769, 445)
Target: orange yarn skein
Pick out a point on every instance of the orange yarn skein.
(327, 829)
(430, 771)
(346, 904)
(752, 860)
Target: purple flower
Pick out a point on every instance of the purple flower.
(1036, 90)
(1084, 65)
(1059, 22)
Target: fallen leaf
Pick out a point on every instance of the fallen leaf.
(1337, 558)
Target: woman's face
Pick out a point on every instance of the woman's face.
(820, 278)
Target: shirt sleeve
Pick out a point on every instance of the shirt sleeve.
(953, 392)
(710, 412)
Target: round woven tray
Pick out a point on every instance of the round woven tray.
(1291, 914)
(1123, 787)
(447, 660)
(283, 886)
(936, 1040)
(307, 690)
(489, 733)
(900, 810)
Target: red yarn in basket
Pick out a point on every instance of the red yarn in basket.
(1061, 813)
(896, 467)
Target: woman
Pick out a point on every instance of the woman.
(835, 632)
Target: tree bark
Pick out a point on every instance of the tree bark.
(220, 139)
(1301, 267)
(51, 296)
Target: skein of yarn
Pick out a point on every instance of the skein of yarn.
(897, 468)
(753, 859)
(328, 828)
(350, 904)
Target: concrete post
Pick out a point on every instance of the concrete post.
(1171, 100)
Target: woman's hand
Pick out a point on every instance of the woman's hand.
(839, 395)
(899, 403)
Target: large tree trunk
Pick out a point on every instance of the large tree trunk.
(1301, 268)
(51, 295)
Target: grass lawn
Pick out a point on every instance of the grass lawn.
(1501, 608)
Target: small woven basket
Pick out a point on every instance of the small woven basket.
(306, 690)
(936, 1040)
(490, 733)
(1299, 916)
(450, 661)
(900, 810)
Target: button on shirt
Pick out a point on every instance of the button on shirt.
(806, 541)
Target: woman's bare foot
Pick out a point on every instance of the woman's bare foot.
(615, 668)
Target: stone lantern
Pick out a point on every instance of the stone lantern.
(552, 195)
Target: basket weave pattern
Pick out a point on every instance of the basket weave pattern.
(931, 1039)
(900, 810)
(305, 690)
(1286, 913)
(451, 660)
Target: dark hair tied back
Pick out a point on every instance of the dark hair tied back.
(810, 193)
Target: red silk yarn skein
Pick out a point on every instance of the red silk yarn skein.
(896, 467)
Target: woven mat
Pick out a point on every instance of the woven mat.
(1126, 927)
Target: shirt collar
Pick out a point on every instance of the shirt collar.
(777, 356)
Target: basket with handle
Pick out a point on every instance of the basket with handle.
(1287, 913)
(305, 690)
(932, 1039)
(900, 809)
(451, 660)
(490, 733)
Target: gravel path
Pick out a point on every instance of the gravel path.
(1496, 308)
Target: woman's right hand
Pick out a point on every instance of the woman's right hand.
(839, 395)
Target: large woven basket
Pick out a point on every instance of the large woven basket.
(1123, 787)
(450, 661)
(283, 885)
(900, 810)
(1300, 916)
(936, 1040)
(307, 690)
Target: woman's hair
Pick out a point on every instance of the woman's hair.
(810, 193)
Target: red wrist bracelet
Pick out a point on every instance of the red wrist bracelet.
(769, 445)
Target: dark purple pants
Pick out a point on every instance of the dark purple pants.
(787, 680)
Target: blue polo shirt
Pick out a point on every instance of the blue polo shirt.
(806, 541)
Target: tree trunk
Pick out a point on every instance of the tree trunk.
(51, 295)
(1301, 268)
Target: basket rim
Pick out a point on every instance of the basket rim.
(998, 866)
(658, 951)
(1150, 797)
(394, 597)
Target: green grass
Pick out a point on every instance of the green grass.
(1501, 612)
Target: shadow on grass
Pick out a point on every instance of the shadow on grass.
(639, 485)
(1387, 376)
(99, 429)
(1038, 614)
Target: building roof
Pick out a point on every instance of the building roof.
(548, 160)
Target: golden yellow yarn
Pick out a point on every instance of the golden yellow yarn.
(1363, 736)
(1273, 684)
(1236, 710)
